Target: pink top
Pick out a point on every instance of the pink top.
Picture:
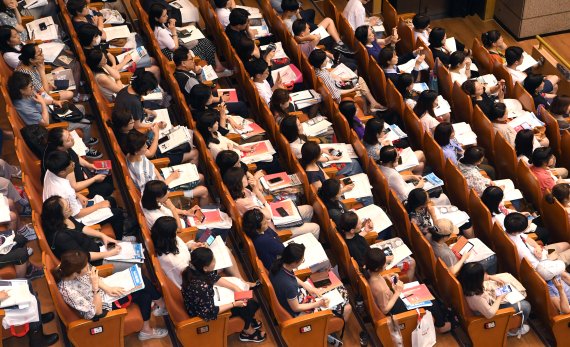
(544, 177)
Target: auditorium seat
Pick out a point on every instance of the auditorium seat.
(481, 219)
(425, 257)
(507, 166)
(482, 126)
(456, 186)
(434, 155)
(507, 256)
(482, 57)
(462, 105)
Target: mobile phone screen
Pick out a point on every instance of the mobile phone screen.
(466, 248)
(282, 212)
(275, 180)
(90, 203)
(210, 240)
(347, 181)
(503, 290)
(199, 216)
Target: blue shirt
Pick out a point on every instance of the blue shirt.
(374, 49)
(268, 246)
(29, 110)
(451, 150)
(553, 291)
(286, 288)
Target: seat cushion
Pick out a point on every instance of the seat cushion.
(133, 320)
(8, 272)
(235, 325)
(335, 325)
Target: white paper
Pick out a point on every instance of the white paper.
(514, 296)
(51, 50)
(177, 136)
(259, 157)
(29, 4)
(409, 159)
(279, 52)
(344, 72)
(514, 108)
(188, 173)
(117, 32)
(398, 253)
(334, 297)
(287, 74)
(463, 134)
(452, 213)
(432, 181)
(35, 33)
(195, 33)
(78, 146)
(526, 121)
(163, 116)
(261, 30)
(451, 44)
(510, 192)
(65, 75)
(4, 209)
(409, 66)
(315, 256)
(136, 55)
(420, 87)
(98, 215)
(377, 215)
(528, 62)
(130, 280)
(322, 32)
(442, 108)
(317, 128)
(395, 132)
(362, 187)
(188, 12)
(249, 9)
(223, 295)
(378, 28)
(479, 252)
(130, 252)
(344, 158)
(18, 294)
(488, 80)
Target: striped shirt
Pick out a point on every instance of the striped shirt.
(141, 171)
(329, 82)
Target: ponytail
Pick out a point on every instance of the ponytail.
(276, 265)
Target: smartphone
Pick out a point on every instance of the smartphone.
(111, 245)
(281, 211)
(42, 26)
(468, 246)
(506, 289)
(399, 160)
(395, 279)
(336, 153)
(210, 240)
(275, 180)
(90, 203)
(388, 251)
(347, 181)
(386, 130)
(150, 118)
(200, 216)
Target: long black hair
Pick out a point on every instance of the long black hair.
(163, 234)
(293, 253)
(199, 258)
(53, 219)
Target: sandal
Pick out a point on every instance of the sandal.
(255, 337)
(256, 324)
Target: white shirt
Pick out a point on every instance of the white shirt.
(355, 13)
(396, 182)
(224, 144)
(458, 77)
(164, 38)
(264, 90)
(296, 147)
(12, 59)
(523, 250)
(55, 185)
(428, 122)
(152, 215)
(516, 75)
(223, 16)
(423, 35)
(173, 264)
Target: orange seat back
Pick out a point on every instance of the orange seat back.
(456, 186)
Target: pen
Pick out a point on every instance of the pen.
(407, 296)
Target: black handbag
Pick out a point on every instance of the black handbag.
(68, 112)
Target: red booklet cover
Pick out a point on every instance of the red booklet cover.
(277, 180)
(245, 295)
(258, 148)
(231, 92)
(417, 294)
(256, 130)
(103, 166)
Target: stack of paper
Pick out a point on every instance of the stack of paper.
(409, 66)
(288, 74)
(189, 33)
(249, 129)
(510, 192)
(316, 126)
(344, 72)
(334, 297)
(130, 280)
(162, 116)
(154, 95)
(136, 55)
(488, 80)
(362, 187)
(214, 218)
(526, 121)
(514, 108)
(416, 295)
(130, 252)
(463, 134)
(48, 34)
(322, 32)
(431, 181)
(188, 12)
(479, 250)
(177, 136)
(409, 159)
(221, 254)
(98, 216)
(262, 151)
(78, 146)
(456, 216)
(188, 174)
(291, 216)
(342, 147)
(394, 133)
(223, 295)
(376, 215)
(315, 257)
(528, 62)
(305, 98)
(283, 180)
(398, 253)
(18, 294)
(51, 50)
(279, 52)
(443, 106)
(29, 4)
(451, 44)
(117, 32)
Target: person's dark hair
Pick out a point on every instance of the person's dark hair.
(374, 261)
(279, 96)
(16, 83)
(420, 21)
(492, 197)
(310, 151)
(371, 130)
(386, 54)
(54, 139)
(515, 223)
(402, 83)
(120, 118)
(163, 234)
(52, 217)
(416, 198)
(532, 82)
(86, 33)
(226, 159)
(5, 34)
(348, 109)
(207, 121)
(289, 129)
(347, 222)
(513, 54)
(245, 48)
(290, 5)
(329, 190)
(436, 37)
(200, 94)
(471, 278)
(3, 8)
(238, 16)
(317, 58)
(144, 82)
(298, 26)
(388, 154)
(472, 155)
(490, 37)
(57, 161)
(93, 59)
(361, 34)
(233, 180)
(497, 111)
(153, 190)
(199, 259)
(154, 13)
(257, 67)
(524, 143)
(27, 53)
(221, 3)
(541, 156)
(442, 133)
(469, 87)
(135, 141)
(180, 55)
(251, 222)
(456, 58)
(293, 253)
(75, 7)
(71, 262)
(559, 106)
(560, 192)
(425, 103)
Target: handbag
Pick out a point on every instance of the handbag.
(424, 333)
(68, 112)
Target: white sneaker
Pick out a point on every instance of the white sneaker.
(523, 330)
(157, 333)
(129, 239)
(159, 311)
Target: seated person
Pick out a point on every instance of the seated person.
(404, 83)
(10, 45)
(424, 110)
(480, 95)
(259, 72)
(542, 166)
(561, 193)
(422, 29)
(308, 14)
(239, 27)
(365, 34)
(534, 85)
(560, 110)
(444, 135)
(227, 159)
(249, 53)
(355, 14)
(525, 143)
(198, 280)
(348, 109)
(438, 46)
(202, 99)
(107, 78)
(494, 42)
(468, 166)
(388, 161)
(514, 58)
(268, 246)
(279, 105)
(499, 116)
(558, 289)
(330, 193)
(130, 98)
(19, 254)
(388, 299)
(223, 10)
(459, 67)
(82, 289)
(388, 61)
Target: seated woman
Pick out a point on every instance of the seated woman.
(64, 233)
(534, 85)
(82, 289)
(422, 213)
(330, 193)
(107, 78)
(19, 255)
(514, 58)
(291, 129)
(247, 199)
(279, 105)
(561, 193)
(468, 166)
(173, 254)
(348, 109)
(155, 204)
(388, 61)
(130, 99)
(250, 53)
(459, 67)
(292, 292)
(10, 15)
(559, 109)
(444, 135)
(494, 42)
(438, 46)
(480, 95)
(439, 236)
(143, 170)
(227, 159)
(542, 166)
(424, 110)
(10, 45)
(81, 14)
(366, 35)
(198, 281)
(202, 100)
(267, 244)
(388, 299)
(404, 82)
(525, 144)
(499, 116)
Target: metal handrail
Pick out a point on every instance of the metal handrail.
(543, 43)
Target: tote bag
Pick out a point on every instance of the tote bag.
(424, 333)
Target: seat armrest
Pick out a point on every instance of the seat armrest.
(105, 270)
(371, 237)
(364, 118)
(251, 168)
(115, 51)
(351, 203)
(27, 19)
(303, 274)
(303, 117)
(330, 171)
(126, 77)
(159, 163)
(314, 139)
(188, 234)
(63, 125)
(284, 235)
(97, 5)
(175, 194)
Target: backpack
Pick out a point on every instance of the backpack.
(35, 137)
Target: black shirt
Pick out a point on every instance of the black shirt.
(72, 239)
(186, 80)
(234, 36)
(131, 103)
(357, 247)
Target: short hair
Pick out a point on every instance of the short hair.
(221, 3)
(388, 154)
(541, 156)
(374, 260)
(532, 82)
(472, 155)
(135, 141)
(153, 190)
(290, 5)
(386, 54)
(469, 87)
(329, 190)
(257, 67)
(143, 82)
(27, 53)
(361, 34)
(513, 54)
(436, 37)
(420, 21)
(16, 83)
(86, 33)
(226, 159)
(490, 37)
(347, 222)
(199, 96)
(442, 133)
(515, 223)
(239, 16)
(456, 58)
(299, 26)
(74, 7)
(497, 111)
(317, 58)
(180, 55)
(57, 161)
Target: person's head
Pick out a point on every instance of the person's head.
(89, 35)
(291, 6)
(300, 28)
(550, 269)
(200, 96)
(364, 34)
(515, 223)
(560, 192)
(404, 83)
(374, 260)
(348, 110)
(457, 59)
(163, 234)
(59, 163)
(183, 59)
(514, 55)
(426, 103)
(31, 54)
(259, 70)
(473, 155)
(239, 19)
(493, 40)
(387, 57)
(155, 193)
(96, 59)
(420, 22)
(290, 128)
(122, 121)
(60, 139)
(417, 199)
(348, 223)
(524, 143)
(318, 58)
(293, 255)
(437, 37)
(279, 103)
(136, 143)
(157, 15)
(492, 197)
(471, 278)
(9, 39)
(221, 3)
(473, 88)
(208, 125)
(254, 223)
(533, 84)
(373, 131)
(144, 82)
(77, 8)
(246, 49)
(72, 264)
(330, 190)
(560, 106)
(310, 153)
(443, 133)
(388, 155)
(20, 85)
(542, 157)
(202, 263)
(227, 159)
(236, 181)
(442, 230)
(498, 112)
(8, 5)
(55, 211)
